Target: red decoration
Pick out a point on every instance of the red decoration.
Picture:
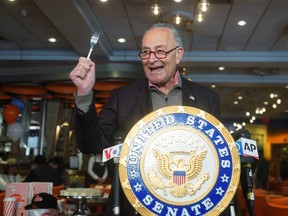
(10, 113)
(266, 121)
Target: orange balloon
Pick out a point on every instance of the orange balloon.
(10, 113)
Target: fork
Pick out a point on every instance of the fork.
(93, 41)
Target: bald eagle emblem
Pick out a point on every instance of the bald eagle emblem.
(179, 172)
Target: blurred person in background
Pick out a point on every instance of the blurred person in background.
(48, 172)
(2, 182)
(283, 166)
(262, 171)
(2, 185)
(97, 170)
(10, 173)
(38, 160)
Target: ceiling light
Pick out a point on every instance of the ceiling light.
(199, 16)
(239, 126)
(177, 19)
(103, 0)
(272, 96)
(182, 20)
(156, 8)
(241, 23)
(177, 1)
(257, 111)
(221, 68)
(52, 40)
(247, 113)
(121, 40)
(203, 5)
(278, 101)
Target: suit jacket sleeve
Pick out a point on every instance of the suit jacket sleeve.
(125, 107)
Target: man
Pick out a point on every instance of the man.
(43, 204)
(51, 172)
(38, 161)
(161, 52)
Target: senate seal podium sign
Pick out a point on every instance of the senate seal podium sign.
(179, 160)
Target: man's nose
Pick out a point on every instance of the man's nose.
(152, 57)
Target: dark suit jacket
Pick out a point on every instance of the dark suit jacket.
(45, 173)
(126, 106)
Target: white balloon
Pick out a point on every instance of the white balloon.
(15, 131)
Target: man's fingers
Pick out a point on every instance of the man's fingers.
(79, 72)
(82, 76)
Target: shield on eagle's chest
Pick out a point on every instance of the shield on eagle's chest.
(179, 177)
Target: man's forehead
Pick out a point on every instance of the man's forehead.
(157, 38)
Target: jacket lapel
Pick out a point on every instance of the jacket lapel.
(188, 95)
(143, 98)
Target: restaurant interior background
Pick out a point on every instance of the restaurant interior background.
(239, 48)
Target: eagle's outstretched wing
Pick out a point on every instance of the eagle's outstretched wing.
(195, 164)
(163, 162)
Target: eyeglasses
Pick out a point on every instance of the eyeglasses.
(160, 54)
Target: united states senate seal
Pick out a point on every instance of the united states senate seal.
(179, 160)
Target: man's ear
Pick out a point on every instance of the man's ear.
(179, 54)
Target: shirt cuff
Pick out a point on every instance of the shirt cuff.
(83, 102)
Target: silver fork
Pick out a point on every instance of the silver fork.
(93, 41)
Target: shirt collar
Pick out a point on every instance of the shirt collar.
(176, 81)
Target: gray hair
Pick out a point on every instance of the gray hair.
(175, 32)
